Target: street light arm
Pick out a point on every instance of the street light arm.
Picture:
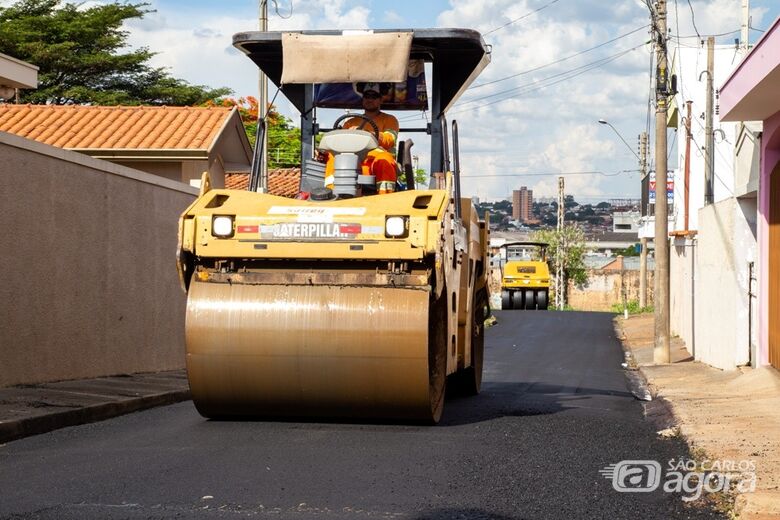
(605, 122)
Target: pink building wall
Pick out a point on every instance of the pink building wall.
(752, 93)
(770, 157)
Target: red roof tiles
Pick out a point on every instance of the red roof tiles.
(283, 182)
(121, 127)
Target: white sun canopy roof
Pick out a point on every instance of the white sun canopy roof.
(345, 58)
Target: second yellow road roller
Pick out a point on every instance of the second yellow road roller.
(341, 303)
(525, 278)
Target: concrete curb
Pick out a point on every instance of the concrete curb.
(34, 425)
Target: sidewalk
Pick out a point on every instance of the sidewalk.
(33, 409)
(730, 415)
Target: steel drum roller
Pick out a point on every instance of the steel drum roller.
(297, 350)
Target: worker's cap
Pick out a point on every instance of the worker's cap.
(379, 88)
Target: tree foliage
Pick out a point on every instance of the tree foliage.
(284, 139)
(83, 58)
(571, 242)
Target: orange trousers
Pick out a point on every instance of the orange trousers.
(378, 162)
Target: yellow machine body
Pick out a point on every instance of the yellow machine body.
(349, 305)
(525, 281)
(310, 308)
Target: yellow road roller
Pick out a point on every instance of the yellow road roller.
(339, 303)
(525, 280)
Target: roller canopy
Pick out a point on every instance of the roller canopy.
(458, 55)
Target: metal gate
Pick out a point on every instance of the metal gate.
(774, 268)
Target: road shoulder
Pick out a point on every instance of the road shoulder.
(34, 409)
(724, 415)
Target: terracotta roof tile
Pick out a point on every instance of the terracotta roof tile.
(121, 127)
(282, 182)
(236, 181)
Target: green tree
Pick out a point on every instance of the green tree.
(629, 251)
(420, 177)
(284, 139)
(571, 242)
(83, 58)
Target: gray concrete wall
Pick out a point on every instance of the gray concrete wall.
(90, 285)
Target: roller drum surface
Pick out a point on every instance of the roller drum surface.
(294, 350)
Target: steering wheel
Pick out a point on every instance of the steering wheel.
(338, 124)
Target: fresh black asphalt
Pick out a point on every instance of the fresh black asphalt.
(554, 411)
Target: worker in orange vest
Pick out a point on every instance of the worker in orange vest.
(380, 161)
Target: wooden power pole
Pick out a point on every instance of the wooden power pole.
(709, 137)
(661, 351)
(643, 240)
(559, 252)
(262, 106)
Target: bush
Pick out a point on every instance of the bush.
(633, 308)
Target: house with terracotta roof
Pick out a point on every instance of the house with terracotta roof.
(177, 143)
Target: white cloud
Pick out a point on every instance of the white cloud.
(548, 124)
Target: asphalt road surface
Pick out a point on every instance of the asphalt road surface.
(554, 410)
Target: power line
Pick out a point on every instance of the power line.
(599, 62)
(279, 14)
(559, 60)
(693, 19)
(546, 174)
(700, 36)
(545, 6)
(527, 89)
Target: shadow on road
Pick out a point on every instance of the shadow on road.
(518, 399)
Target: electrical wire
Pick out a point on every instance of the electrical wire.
(532, 87)
(279, 14)
(679, 55)
(587, 66)
(700, 36)
(559, 60)
(521, 18)
(693, 19)
(547, 174)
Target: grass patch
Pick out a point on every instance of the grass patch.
(633, 308)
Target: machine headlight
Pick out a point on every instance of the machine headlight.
(397, 227)
(222, 226)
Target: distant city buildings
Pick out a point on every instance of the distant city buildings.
(522, 204)
(626, 221)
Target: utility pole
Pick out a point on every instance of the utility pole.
(744, 43)
(709, 147)
(688, 137)
(559, 253)
(661, 351)
(643, 240)
(262, 106)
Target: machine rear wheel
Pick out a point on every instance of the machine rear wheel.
(469, 380)
(541, 300)
(506, 300)
(517, 299)
(530, 302)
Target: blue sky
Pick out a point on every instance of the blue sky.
(543, 128)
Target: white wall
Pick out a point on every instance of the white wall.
(725, 244)
(682, 274)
